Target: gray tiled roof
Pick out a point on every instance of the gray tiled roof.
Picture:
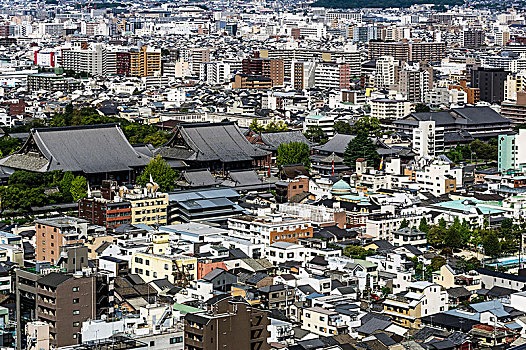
(273, 139)
(89, 149)
(214, 142)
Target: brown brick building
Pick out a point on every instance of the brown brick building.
(53, 233)
(257, 82)
(270, 68)
(105, 213)
(228, 323)
(64, 302)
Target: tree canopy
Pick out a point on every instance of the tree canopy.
(341, 127)
(361, 147)
(160, 172)
(369, 125)
(315, 134)
(134, 132)
(293, 153)
(79, 188)
(474, 150)
(256, 126)
(28, 189)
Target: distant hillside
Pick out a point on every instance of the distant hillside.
(354, 4)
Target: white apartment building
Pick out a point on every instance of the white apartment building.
(422, 299)
(327, 75)
(439, 177)
(392, 265)
(325, 122)
(281, 252)
(424, 139)
(214, 73)
(386, 72)
(383, 108)
(92, 61)
(269, 229)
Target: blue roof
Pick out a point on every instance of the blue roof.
(315, 295)
(493, 306)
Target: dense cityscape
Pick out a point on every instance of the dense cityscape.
(262, 175)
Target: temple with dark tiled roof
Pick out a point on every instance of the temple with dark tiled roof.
(216, 146)
(96, 151)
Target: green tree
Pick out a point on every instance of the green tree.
(256, 126)
(506, 226)
(65, 183)
(436, 235)
(79, 188)
(422, 108)
(369, 125)
(355, 251)
(160, 172)
(471, 264)
(491, 244)
(341, 127)
(404, 224)
(361, 147)
(465, 232)
(452, 238)
(423, 226)
(437, 262)
(315, 134)
(9, 145)
(293, 153)
(276, 127)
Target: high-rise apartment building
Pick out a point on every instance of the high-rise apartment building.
(405, 51)
(414, 84)
(490, 81)
(330, 75)
(270, 68)
(145, 62)
(92, 60)
(512, 151)
(228, 323)
(473, 37)
(302, 74)
(386, 72)
(53, 233)
(194, 57)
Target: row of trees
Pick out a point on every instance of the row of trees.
(27, 189)
(256, 126)
(136, 133)
(369, 125)
(475, 150)
(497, 241)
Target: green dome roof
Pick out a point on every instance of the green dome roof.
(341, 185)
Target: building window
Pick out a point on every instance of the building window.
(76, 324)
(176, 340)
(75, 289)
(76, 312)
(76, 301)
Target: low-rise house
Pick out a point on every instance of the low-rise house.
(323, 322)
(421, 299)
